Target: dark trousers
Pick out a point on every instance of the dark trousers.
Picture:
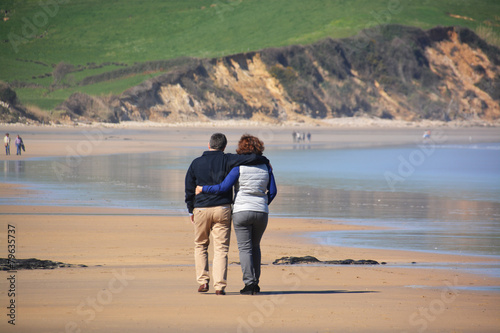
(249, 227)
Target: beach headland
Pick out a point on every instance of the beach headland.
(140, 271)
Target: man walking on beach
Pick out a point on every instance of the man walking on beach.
(6, 142)
(211, 213)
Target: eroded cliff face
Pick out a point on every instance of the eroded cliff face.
(391, 72)
(260, 91)
(217, 89)
(462, 68)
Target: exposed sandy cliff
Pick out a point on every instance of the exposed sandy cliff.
(391, 72)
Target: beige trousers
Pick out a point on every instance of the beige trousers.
(215, 221)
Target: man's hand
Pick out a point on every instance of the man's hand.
(191, 217)
(199, 189)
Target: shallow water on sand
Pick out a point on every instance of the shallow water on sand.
(433, 198)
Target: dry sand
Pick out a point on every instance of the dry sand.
(140, 274)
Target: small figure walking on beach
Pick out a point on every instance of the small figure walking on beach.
(19, 145)
(427, 135)
(6, 142)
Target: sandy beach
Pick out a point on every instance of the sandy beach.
(140, 267)
(98, 139)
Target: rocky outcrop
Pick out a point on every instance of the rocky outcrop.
(32, 263)
(389, 72)
(80, 105)
(11, 111)
(314, 260)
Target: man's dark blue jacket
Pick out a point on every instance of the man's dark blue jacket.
(210, 169)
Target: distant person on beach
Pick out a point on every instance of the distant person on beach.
(19, 145)
(255, 189)
(211, 213)
(309, 137)
(6, 142)
(427, 135)
(298, 136)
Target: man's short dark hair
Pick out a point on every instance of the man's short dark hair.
(218, 141)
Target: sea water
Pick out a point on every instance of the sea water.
(439, 198)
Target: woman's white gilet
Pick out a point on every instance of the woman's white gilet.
(250, 189)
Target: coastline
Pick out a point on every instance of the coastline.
(103, 139)
(349, 122)
(140, 274)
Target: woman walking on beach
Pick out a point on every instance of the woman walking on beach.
(255, 188)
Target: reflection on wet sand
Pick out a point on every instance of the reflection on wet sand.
(419, 218)
(345, 204)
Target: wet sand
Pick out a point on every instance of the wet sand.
(140, 277)
(43, 141)
(140, 274)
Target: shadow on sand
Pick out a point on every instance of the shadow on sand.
(316, 292)
(309, 292)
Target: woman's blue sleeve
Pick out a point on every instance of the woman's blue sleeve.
(272, 190)
(226, 184)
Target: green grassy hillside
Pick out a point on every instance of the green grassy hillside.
(101, 36)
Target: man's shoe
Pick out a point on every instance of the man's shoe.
(203, 288)
(220, 292)
(248, 290)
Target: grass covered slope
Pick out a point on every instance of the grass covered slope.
(102, 36)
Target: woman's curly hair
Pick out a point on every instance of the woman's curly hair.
(250, 144)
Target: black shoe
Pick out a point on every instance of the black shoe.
(248, 290)
(256, 289)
